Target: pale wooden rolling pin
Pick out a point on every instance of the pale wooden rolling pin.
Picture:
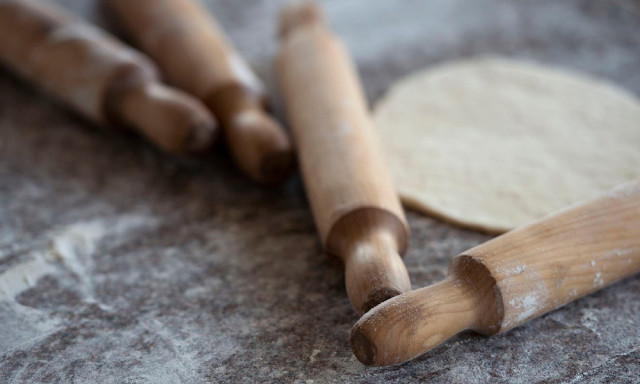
(99, 77)
(513, 278)
(355, 206)
(186, 42)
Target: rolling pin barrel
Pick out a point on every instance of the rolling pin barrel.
(356, 209)
(513, 278)
(196, 56)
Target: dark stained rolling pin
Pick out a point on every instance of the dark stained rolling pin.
(194, 54)
(356, 209)
(98, 76)
(511, 279)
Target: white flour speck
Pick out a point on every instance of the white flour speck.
(597, 280)
(314, 353)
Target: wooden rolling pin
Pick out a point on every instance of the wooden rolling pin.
(511, 279)
(185, 41)
(98, 76)
(355, 206)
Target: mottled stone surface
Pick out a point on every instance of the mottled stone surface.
(119, 265)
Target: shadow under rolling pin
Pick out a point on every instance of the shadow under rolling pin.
(99, 77)
(508, 280)
(192, 51)
(355, 207)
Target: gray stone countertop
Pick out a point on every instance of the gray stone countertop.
(121, 265)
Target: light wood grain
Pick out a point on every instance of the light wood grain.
(511, 279)
(195, 55)
(98, 76)
(355, 206)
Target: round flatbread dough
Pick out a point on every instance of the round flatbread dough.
(493, 144)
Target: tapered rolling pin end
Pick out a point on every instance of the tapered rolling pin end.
(260, 146)
(175, 121)
(362, 347)
(277, 166)
(258, 143)
(297, 14)
(202, 134)
(374, 271)
(413, 323)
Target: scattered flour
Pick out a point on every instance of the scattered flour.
(22, 324)
(597, 280)
(511, 272)
(523, 305)
(526, 306)
(72, 247)
(314, 353)
(591, 320)
(24, 276)
(620, 253)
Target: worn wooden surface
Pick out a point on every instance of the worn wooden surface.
(118, 264)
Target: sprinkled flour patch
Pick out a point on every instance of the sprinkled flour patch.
(597, 280)
(25, 275)
(71, 247)
(511, 272)
(525, 302)
(527, 306)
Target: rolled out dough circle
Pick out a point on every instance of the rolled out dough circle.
(494, 143)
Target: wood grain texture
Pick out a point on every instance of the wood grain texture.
(511, 279)
(195, 55)
(355, 206)
(98, 76)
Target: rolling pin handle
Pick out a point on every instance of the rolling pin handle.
(258, 144)
(374, 271)
(166, 117)
(434, 314)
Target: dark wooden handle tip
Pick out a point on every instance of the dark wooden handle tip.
(257, 142)
(260, 146)
(362, 347)
(171, 119)
(202, 133)
(278, 165)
